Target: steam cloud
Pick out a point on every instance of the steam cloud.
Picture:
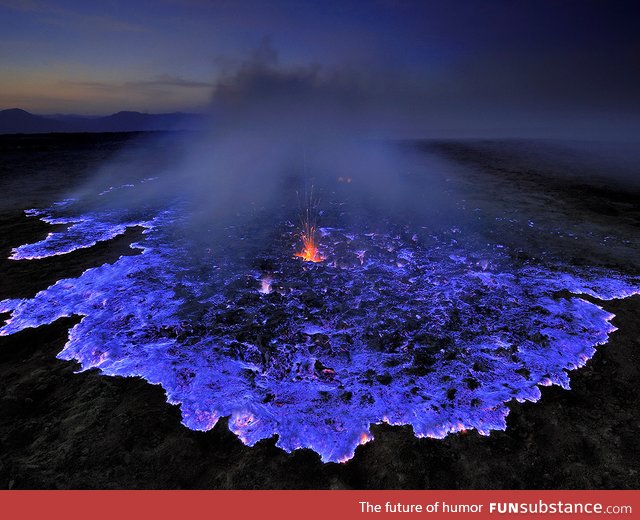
(275, 130)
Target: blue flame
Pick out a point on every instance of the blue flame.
(425, 332)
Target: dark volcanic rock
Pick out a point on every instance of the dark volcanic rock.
(61, 429)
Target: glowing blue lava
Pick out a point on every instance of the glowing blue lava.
(423, 331)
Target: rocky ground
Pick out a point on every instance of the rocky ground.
(59, 429)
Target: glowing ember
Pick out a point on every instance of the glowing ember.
(308, 235)
(310, 252)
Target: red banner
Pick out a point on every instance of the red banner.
(309, 505)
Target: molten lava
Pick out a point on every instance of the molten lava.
(310, 252)
(308, 235)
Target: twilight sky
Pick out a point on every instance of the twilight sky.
(450, 65)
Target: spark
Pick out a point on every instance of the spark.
(309, 230)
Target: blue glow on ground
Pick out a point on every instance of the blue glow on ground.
(413, 330)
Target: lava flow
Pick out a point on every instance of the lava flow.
(399, 326)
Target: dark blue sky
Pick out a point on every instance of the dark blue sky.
(461, 62)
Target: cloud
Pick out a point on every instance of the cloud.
(54, 15)
(23, 5)
(163, 93)
(301, 101)
(168, 80)
(164, 80)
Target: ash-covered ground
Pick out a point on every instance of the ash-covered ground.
(442, 319)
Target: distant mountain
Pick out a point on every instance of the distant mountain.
(17, 121)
